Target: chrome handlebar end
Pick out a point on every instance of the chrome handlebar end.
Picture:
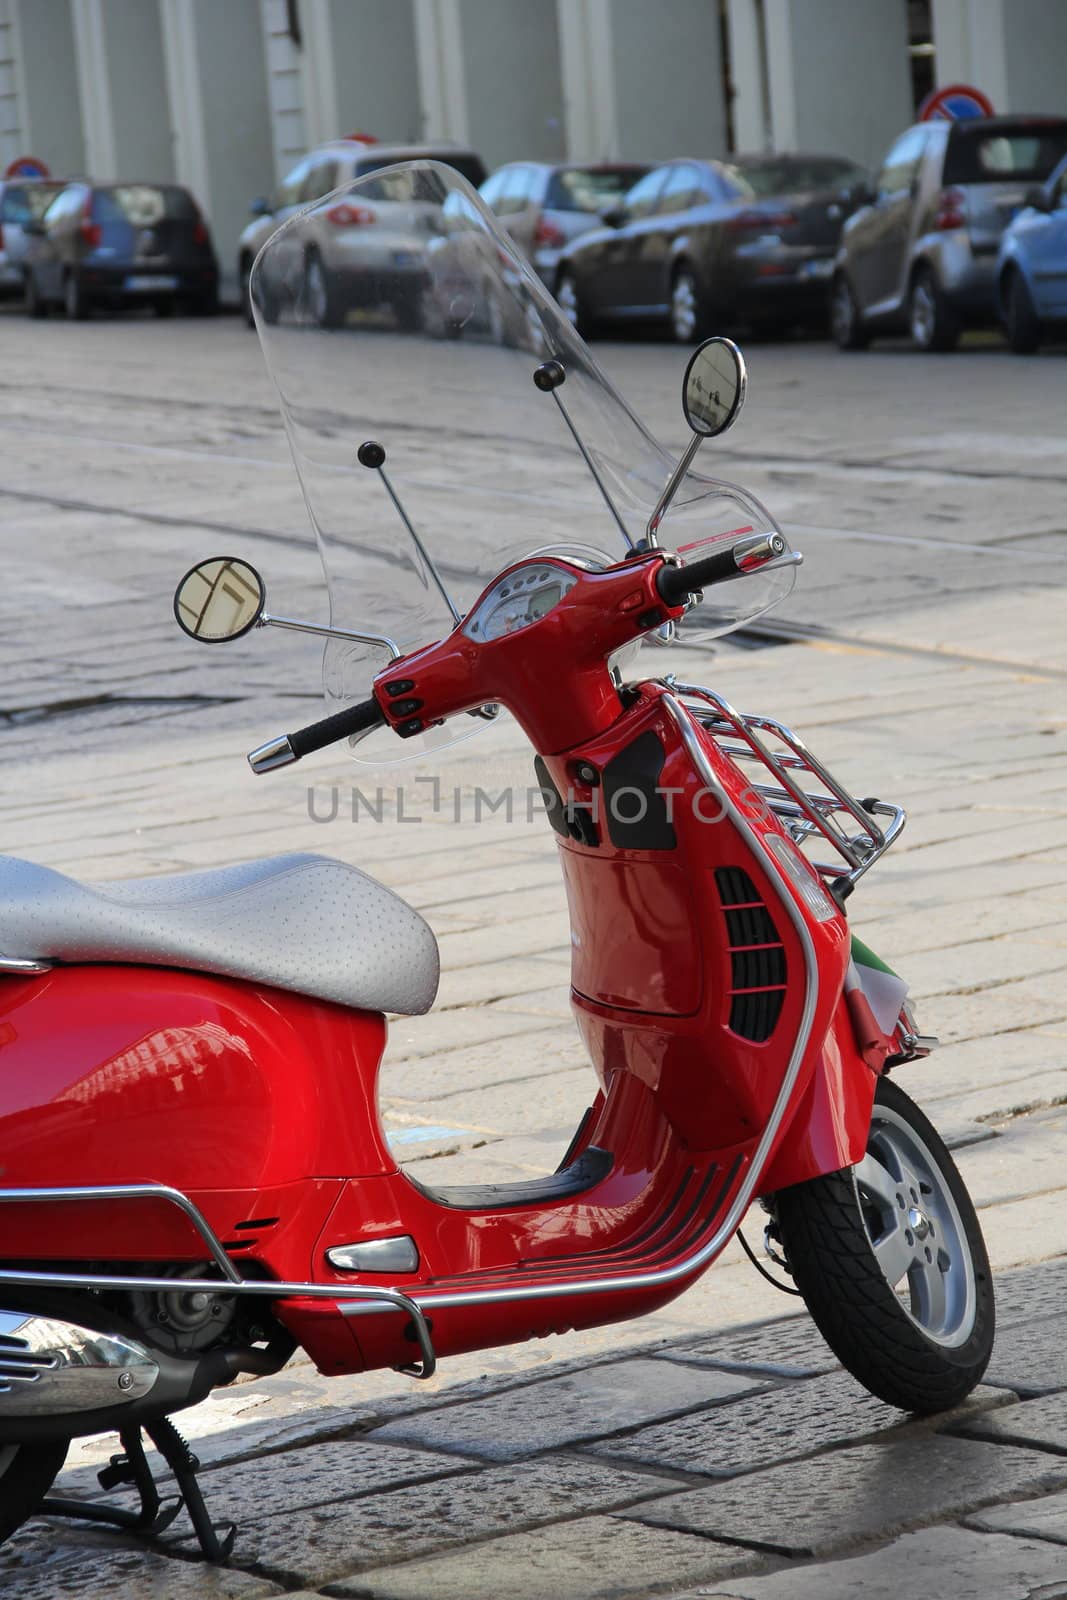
(275, 753)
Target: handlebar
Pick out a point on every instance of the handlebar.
(677, 583)
(290, 747)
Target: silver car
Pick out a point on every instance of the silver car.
(921, 255)
(22, 200)
(351, 245)
(544, 207)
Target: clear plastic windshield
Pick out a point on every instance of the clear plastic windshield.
(395, 310)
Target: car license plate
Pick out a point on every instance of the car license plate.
(405, 258)
(139, 283)
(820, 268)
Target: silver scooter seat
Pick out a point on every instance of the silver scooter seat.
(300, 922)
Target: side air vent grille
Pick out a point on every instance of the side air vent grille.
(757, 957)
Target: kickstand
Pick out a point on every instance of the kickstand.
(153, 1517)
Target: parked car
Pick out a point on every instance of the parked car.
(921, 255)
(121, 245)
(342, 242)
(1032, 265)
(472, 289)
(544, 207)
(22, 200)
(702, 244)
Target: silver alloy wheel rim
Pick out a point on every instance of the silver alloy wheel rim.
(916, 1231)
(684, 308)
(922, 313)
(567, 300)
(841, 312)
(315, 280)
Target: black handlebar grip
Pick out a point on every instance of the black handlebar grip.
(353, 719)
(676, 583)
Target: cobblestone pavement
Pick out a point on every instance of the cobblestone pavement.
(713, 1448)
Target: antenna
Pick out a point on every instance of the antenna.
(548, 377)
(372, 455)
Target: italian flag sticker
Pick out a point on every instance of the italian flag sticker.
(874, 995)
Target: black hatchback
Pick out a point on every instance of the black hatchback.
(120, 245)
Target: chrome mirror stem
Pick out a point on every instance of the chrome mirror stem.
(391, 645)
(671, 488)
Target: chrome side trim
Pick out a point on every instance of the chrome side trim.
(49, 1368)
(702, 1257)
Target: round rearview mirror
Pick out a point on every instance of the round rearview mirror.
(713, 389)
(219, 599)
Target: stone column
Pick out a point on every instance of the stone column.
(40, 98)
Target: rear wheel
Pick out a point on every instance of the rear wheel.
(931, 320)
(320, 293)
(36, 305)
(1021, 322)
(27, 1472)
(890, 1259)
(688, 316)
(846, 323)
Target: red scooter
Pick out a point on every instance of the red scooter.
(194, 1177)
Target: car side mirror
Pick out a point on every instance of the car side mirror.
(615, 216)
(261, 207)
(1037, 198)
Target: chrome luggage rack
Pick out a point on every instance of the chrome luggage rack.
(821, 815)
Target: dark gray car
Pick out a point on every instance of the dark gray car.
(921, 256)
(703, 244)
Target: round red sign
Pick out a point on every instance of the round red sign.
(955, 102)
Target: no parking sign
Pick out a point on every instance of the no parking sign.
(955, 102)
(27, 167)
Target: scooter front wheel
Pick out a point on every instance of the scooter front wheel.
(890, 1259)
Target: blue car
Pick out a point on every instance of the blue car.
(1032, 268)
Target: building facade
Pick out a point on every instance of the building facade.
(225, 95)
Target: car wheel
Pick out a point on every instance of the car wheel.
(846, 322)
(687, 310)
(570, 302)
(932, 323)
(35, 305)
(75, 299)
(1021, 323)
(320, 293)
(890, 1260)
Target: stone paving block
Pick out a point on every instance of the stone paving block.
(793, 1347)
(321, 1546)
(595, 1558)
(1026, 1293)
(844, 1497)
(1031, 1356)
(949, 1563)
(1040, 1423)
(763, 1429)
(1041, 1518)
(565, 1410)
(55, 1564)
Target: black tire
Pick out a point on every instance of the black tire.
(688, 314)
(932, 322)
(321, 297)
(408, 312)
(572, 305)
(846, 321)
(924, 1353)
(75, 300)
(1022, 326)
(27, 1472)
(245, 274)
(36, 307)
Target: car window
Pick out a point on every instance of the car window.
(385, 185)
(25, 203)
(796, 174)
(292, 184)
(464, 162)
(321, 179)
(590, 188)
(515, 192)
(143, 204)
(68, 203)
(902, 162)
(1023, 152)
(641, 200)
(681, 189)
(492, 188)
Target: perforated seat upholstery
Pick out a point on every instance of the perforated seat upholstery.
(299, 922)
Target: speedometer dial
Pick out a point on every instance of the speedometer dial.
(518, 600)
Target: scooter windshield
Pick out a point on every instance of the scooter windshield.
(396, 310)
